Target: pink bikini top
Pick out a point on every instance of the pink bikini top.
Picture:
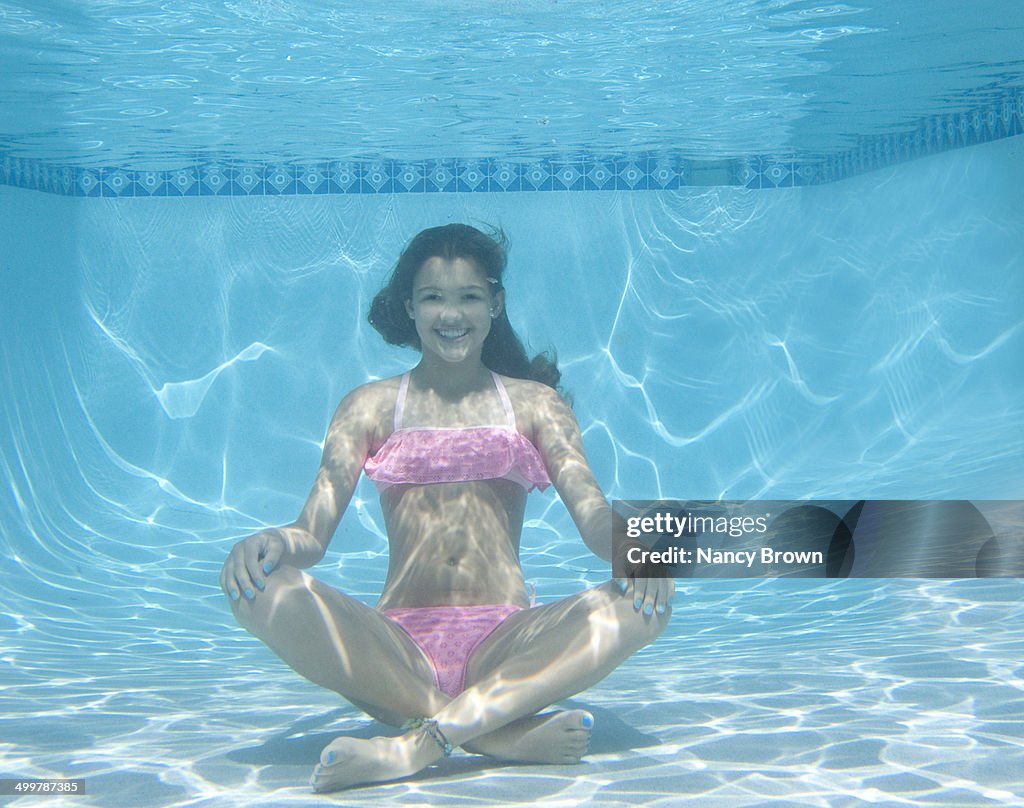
(424, 455)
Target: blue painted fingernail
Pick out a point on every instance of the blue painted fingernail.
(621, 584)
(250, 594)
(234, 595)
(637, 603)
(267, 566)
(648, 609)
(330, 757)
(661, 608)
(261, 585)
(588, 721)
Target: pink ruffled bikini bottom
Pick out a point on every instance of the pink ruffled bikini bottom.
(448, 635)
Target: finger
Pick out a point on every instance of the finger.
(639, 593)
(270, 556)
(231, 586)
(651, 587)
(239, 576)
(249, 580)
(666, 590)
(228, 578)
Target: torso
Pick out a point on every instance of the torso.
(453, 543)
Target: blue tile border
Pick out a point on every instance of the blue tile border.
(580, 172)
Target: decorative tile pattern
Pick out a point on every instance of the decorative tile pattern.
(577, 172)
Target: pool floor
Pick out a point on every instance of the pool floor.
(838, 693)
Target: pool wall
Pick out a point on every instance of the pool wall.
(1001, 116)
(169, 367)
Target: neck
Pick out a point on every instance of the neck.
(451, 377)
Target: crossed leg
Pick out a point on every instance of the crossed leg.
(532, 660)
(343, 645)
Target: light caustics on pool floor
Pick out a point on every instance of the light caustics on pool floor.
(851, 699)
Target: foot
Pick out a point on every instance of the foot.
(557, 737)
(347, 762)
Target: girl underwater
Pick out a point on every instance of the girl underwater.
(453, 652)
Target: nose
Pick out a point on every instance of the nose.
(450, 312)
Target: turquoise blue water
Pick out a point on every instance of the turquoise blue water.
(169, 366)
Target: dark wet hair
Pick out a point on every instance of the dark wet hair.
(503, 351)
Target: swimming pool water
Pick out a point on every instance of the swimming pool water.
(169, 365)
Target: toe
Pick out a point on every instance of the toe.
(577, 721)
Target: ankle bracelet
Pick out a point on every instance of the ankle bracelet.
(430, 727)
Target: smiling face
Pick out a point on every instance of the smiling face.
(452, 305)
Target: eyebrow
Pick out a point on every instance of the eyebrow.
(458, 288)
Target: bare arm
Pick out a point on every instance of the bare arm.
(345, 449)
(304, 542)
(557, 436)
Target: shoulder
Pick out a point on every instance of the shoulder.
(372, 393)
(368, 408)
(531, 393)
(363, 398)
(537, 406)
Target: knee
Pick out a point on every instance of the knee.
(642, 628)
(283, 583)
(649, 627)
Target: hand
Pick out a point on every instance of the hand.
(249, 563)
(648, 585)
(650, 595)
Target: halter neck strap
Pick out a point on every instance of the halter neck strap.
(403, 392)
(506, 402)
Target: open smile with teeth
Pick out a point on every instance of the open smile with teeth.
(453, 333)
